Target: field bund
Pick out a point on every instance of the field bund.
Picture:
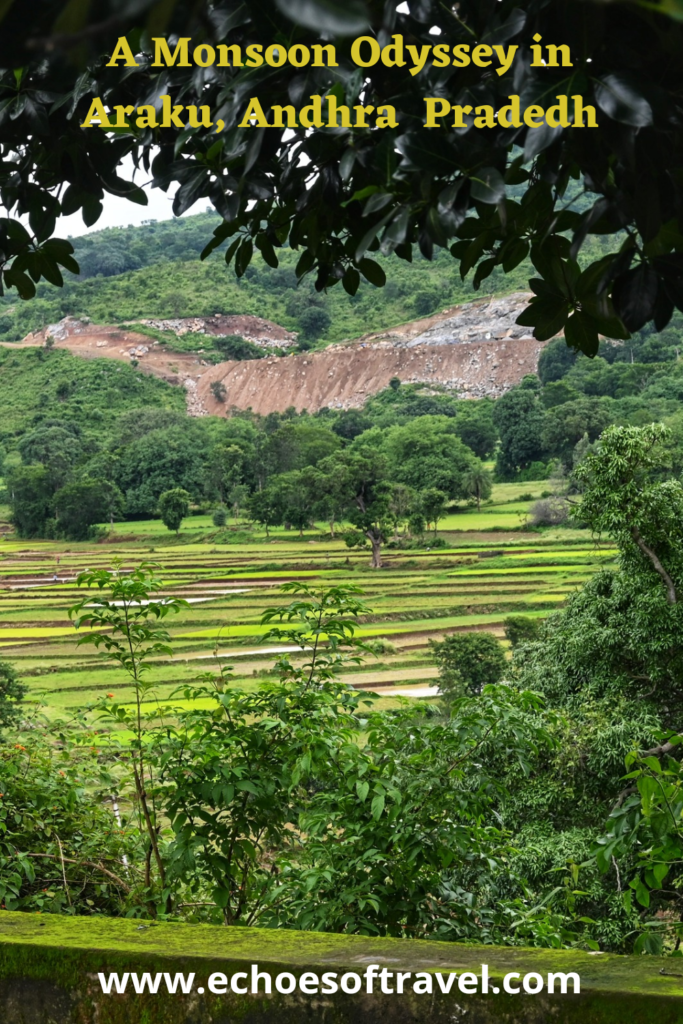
(49, 967)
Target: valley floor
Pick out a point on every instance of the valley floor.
(490, 569)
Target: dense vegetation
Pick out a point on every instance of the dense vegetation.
(71, 422)
(154, 271)
(535, 837)
(38, 384)
(541, 799)
(577, 855)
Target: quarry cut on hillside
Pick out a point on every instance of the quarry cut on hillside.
(474, 350)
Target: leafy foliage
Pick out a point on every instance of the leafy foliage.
(61, 849)
(520, 629)
(392, 189)
(126, 622)
(232, 346)
(12, 693)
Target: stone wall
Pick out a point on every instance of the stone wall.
(49, 967)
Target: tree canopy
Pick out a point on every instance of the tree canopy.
(492, 195)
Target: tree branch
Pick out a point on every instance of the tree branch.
(671, 595)
(664, 748)
(82, 863)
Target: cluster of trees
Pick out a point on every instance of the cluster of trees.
(396, 465)
(381, 481)
(550, 417)
(420, 449)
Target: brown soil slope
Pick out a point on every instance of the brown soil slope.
(344, 377)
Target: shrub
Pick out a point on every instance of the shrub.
(218, 390)
(234, 346)
(383, 646)
(12, 692)
(220, 516)
(551, 511)
(426, 301)
(521, 630)
(174, 506)
(314, 321)
(467, 663)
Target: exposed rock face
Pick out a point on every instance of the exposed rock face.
(477, 321)
(262, 332)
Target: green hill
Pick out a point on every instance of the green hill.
(154, 271)
(37, 385)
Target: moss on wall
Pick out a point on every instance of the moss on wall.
(49, 966)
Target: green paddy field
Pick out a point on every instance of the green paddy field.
(491, 568)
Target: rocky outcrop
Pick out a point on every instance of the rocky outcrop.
(494, 320)
(262, 332)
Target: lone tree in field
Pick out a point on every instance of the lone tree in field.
(174, 506)
(361, 475)
(478, 484)
(339, 195)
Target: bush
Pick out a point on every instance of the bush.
(467, 663)
(60, 848)
(234, 346)
(426, 301)
(314, 321)
(521, 630)
(174, 506)
(383, 646)
(220, 516)
(437, 542)
(12, 692)
(218, 390)
(536, 471)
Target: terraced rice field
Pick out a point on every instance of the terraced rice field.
(420, 595)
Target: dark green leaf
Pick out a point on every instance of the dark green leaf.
(231, 250)
(620, 96)
(372, 272)
(487, 185)
(339, 17)
(634, 296)
(243, 257)
(581, 333)
(546, 315)
(351, 281)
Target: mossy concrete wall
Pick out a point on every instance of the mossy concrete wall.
(49, 967)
